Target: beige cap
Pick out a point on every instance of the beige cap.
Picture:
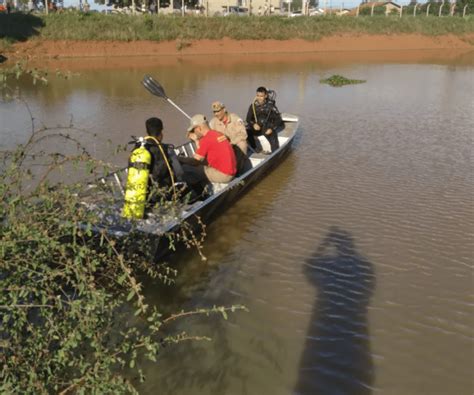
(196, 120)
(217, 106)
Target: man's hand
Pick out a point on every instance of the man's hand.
(256, 127)
(193, 136)
(268, 132)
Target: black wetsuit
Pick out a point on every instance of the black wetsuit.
(268, 117)
(159, 173)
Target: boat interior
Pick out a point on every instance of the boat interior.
(255, 157)
(111, 189)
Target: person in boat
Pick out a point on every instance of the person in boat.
(263, 118)
(214, 159)
(233, 127)
(230, 124)
(165, 168)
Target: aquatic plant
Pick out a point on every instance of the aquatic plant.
(338, 80)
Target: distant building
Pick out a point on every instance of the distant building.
(221, 7)
(389, 6)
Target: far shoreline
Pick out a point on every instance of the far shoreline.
(67, 49)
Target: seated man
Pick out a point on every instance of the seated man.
(214, 159)
(230, 124)
(264, 118)
(233, 127)
(163, 170)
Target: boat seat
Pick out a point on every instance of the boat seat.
(187, 150)
(255, 160)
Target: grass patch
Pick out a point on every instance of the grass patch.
(5, 44)
(338, 80)
(96, 26)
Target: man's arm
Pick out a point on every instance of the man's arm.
(196, 160)
(239, 129)
(184, 160)
(274, 121)
(252, 118)
(213, 123)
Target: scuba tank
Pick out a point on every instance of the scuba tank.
(271, 95)
(137, 182)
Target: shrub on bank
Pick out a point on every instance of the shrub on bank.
(73, 315)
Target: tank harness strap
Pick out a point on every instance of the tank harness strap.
(139, 165)
(166, 161)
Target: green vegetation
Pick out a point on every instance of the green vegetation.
(339, 80)
(96, 26)
(378, 10)
(73, 315)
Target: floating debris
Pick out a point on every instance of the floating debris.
(339, 80)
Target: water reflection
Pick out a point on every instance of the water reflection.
(388, 160)
(219, 366)
(220, 244)
(337, 358)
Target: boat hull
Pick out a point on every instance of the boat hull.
(156, 231)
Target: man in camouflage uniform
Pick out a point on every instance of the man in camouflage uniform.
(232, 126)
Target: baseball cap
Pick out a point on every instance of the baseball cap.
(196, 120)
(217, 106)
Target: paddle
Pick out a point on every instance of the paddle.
(156, 89)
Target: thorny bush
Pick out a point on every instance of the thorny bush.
(73, 316)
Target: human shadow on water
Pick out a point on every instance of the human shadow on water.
(337, 359)
(18, 26)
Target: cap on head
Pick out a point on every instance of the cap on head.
(217, 106)
(196, 120)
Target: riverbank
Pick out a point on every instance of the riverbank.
(55, 49)
(91, 35)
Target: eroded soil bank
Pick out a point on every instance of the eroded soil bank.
(40, 49)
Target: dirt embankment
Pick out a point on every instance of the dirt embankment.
(40, 49)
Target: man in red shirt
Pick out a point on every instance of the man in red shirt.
(214, 159)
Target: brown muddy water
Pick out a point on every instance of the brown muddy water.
(354, 256)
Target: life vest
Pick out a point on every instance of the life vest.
(137, 182)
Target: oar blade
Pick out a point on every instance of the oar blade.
(153, 87)
(156, 89)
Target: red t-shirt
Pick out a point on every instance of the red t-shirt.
(215, 147)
